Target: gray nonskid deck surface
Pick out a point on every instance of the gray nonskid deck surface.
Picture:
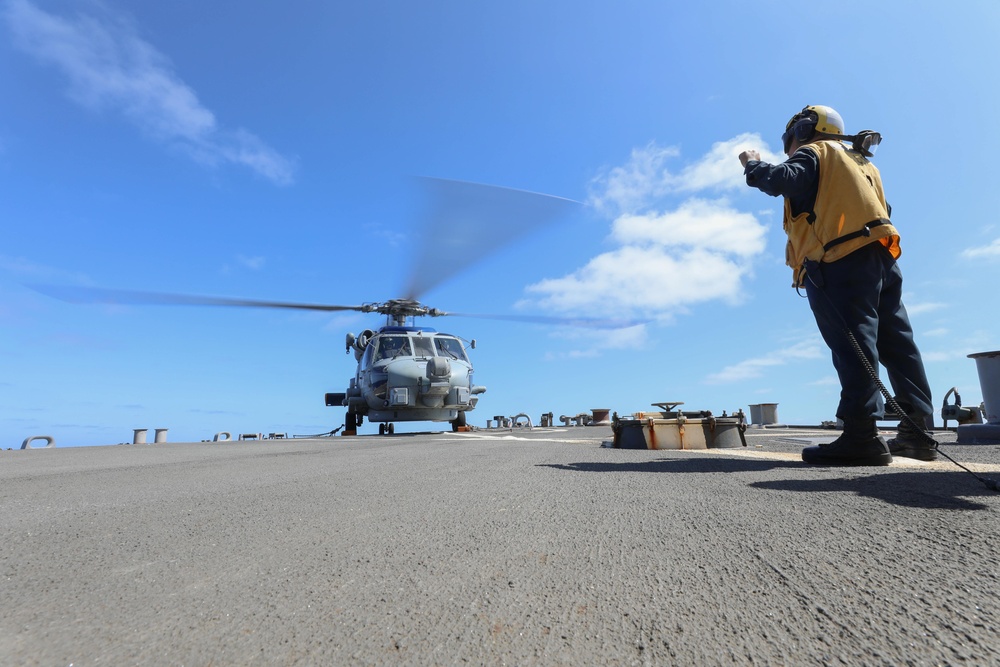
(515, 548)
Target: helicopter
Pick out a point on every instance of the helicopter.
(407, 372)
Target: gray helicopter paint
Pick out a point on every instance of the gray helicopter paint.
(410, 374)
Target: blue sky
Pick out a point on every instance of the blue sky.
(269, 151)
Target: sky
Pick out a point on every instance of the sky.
(275, 151)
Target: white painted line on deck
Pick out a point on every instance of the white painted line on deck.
(897, 462)
(481, 436)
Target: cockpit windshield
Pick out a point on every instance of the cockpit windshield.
(422, 347)
(390, 347)
(395, 346)
(450, 348)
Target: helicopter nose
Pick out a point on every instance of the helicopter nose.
(438, 367)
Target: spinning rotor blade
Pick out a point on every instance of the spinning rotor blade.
(121, 296)
(467, 222)
(76, 294)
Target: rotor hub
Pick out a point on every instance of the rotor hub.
(397, 310)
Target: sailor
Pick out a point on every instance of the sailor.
(842, 249)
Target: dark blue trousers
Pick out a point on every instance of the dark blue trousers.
(863, 291)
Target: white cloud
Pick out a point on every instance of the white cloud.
(695, 223)
(253, 263)
(991, 250)
(958, 348)
(921, 308)
(754, 367)
(110, 67)
(670, 254)
(645, 178)
(643, 279)
(720, 167)
(936, 333)
(629, 187)
(591, 343)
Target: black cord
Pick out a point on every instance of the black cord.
(891, 402)
(991, 484)
(321, 435)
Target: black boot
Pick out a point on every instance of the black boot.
(911, 443)
(858, 445)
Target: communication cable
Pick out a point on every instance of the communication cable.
(989, 483)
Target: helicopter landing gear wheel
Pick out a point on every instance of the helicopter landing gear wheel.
(381, 429)
(390, 429)
(459, 422)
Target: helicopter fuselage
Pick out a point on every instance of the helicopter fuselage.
(409, 373)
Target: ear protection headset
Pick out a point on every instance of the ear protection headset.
(801, 127)
(802, 131)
